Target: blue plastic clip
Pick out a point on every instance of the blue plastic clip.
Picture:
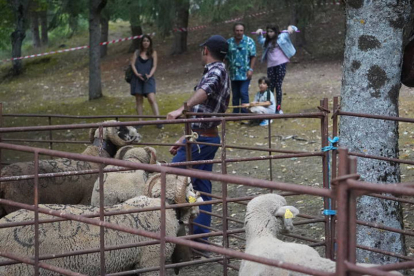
(328, 212)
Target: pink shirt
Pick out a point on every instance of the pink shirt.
(276, 57)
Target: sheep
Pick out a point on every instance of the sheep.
(65, 236)
(120, 186)
(123, 185)
(266, 216)
(75, 189)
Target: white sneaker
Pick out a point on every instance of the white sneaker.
(281, 111)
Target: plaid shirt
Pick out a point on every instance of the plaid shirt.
(216, 83)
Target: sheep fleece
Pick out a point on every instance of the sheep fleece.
(64, 236)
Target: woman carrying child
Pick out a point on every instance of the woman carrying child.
(144, 64)
(278, 49)
(264, 101)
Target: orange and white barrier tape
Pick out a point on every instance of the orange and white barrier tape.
(74, 48)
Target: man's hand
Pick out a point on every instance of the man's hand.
(174, 149)
(174, 114)
(290, 30)
(245, 105)
(249, 74)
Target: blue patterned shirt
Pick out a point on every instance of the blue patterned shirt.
(216, 83)
(239, 56)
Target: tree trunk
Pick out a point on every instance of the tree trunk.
(371, 84)
(104, 34)
(135, 30)
(44, 27)
(95, 86)
(34, 28)
(181, 21)
(20, 8)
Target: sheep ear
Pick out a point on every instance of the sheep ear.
(152, 153)
(286, 211)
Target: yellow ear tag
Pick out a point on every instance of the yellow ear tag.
(191, 199)
(288, 214)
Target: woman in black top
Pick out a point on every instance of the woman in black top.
(144, 65)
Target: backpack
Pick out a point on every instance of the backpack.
(128, 74)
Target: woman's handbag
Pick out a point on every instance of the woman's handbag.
(128, 74)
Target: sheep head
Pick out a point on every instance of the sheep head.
(119, 135)
(146, 155)
(287, 213)
(175, 187)
(179, 190)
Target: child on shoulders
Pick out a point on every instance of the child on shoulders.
(264, 101)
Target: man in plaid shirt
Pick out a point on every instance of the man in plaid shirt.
(212, 95)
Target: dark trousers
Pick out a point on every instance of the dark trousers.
(203, 185)
(240, 90)
(276, 74)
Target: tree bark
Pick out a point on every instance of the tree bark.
(104, 34)
(44, 27)
(20, 8)
(95, 86)
(181, 21)
(371, 84)
(135, 30)
(34, 28)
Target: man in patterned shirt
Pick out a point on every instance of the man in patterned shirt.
(241, 59)
(212, 95)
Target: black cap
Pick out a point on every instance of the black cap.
(217, 43)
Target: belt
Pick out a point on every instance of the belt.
(209, 132)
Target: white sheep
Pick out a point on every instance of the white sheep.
(123, 185)
(266, 216)
(66, 236)
(75, 189)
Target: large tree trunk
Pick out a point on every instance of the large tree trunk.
(34, 28)
(181, 21)
(44, 27)
(135, 30)
(104, 33)
(95, 87)
(371, 84)
(20, 9)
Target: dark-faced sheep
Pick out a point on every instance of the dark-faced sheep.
(266, 216)
(66, 236)
(75, 189)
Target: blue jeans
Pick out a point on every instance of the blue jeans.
(240, 90)
(203, 185)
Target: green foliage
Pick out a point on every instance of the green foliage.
(6, 24)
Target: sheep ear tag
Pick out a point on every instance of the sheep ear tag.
(288, 214)
(191, 199)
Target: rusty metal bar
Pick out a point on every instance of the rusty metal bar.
(382, 158)
(42, 265)
(191, 173)
(225, 225)
(342, 215)
(334, 168)
(163, 224)
(391, 188)
(36, 214)
(352, 214)
(101, 208)
(385, 252)
(380, 117)
(325, 176)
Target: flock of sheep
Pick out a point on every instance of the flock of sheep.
(266, 215)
